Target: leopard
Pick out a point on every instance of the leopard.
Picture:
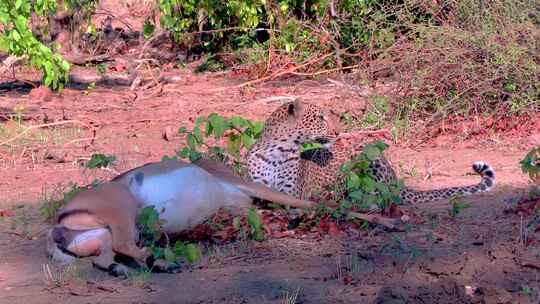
(278, 161)
(274, 159)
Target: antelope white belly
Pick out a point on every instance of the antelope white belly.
(184, 197)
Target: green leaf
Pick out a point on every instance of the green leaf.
(372, 152)
(255, 223)
(4, 17)
(253, 219)
(353, 181)
(247, 141)
(100, 161)
(233, 144)
(356, 195)
(148, 217)
(148, 29)
(194, 155)
(156, 251)
(169, 255)
(196, 133)
(257, 129)
(368, 184)
(218, 123)
(346, 166)
(166, 157)
(4, 44)
(15, 35)
(192, 141)
(192, 253)
(179, 248)
(21, 23)
(344, 204)
(238, 122)
(18, 4)
(184, 153)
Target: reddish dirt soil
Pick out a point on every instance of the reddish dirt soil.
(488, 249)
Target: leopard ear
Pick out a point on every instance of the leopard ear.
(291, 109)
(294, 108)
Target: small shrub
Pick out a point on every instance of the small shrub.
(240, 135)
(151, 237)
(255, 223)
(360, 189)
(456, 207)
(16, 38)
(100, 161)
(530, 164)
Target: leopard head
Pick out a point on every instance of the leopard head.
(300, 123)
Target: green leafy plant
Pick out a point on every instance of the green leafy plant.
(255, 223)
(16, 38)
(360, 189)
(530, 164)
(456, 206)
(239, 132)
(150, 227)
(210, 64)
(100, 161)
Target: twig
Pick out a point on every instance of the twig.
(43, 126)
(281, 73)
(276, 98)
(107, 79)
(121, 20)
(234, 28)
(81, 60)
(78, 140)
(376, 219)
(327, 71)
(151, 40)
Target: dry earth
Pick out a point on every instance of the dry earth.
(488, 248)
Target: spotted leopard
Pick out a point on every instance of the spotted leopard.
(275, 160)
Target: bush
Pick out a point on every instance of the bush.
(16, 38)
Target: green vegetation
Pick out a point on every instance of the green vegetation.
(16, 38)
(361, 189)
(452, 58)
(152, 235)
(100, 161)
(255, 223)
(456, 206)
(239, 133)
(530, 164)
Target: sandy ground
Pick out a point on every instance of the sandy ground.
(488, 248)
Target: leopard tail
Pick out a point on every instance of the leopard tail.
(411, 196)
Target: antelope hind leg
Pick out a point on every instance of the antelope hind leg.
(105, 259)
(123, 239)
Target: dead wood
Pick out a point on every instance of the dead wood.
(376, 219)
(106, 79)
(82, 60)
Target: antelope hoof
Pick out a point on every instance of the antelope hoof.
(118, 270)
(164, 266)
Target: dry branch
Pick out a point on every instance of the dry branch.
(122, 79)
(82, 60)
(43, 126)
(387, 222)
